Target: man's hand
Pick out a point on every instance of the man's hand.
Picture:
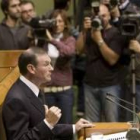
(115, 13)
(87, 23)
(52, 115)
(82, 123)
(134, 45)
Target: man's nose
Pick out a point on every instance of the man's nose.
(57, 23)
(51, 68)
(29, 13)
(18, 8)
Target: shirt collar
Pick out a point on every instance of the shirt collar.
(32, 86)
(58, 36)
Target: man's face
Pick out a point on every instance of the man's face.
(43, 69)
(104, 15)
(14, 10)
(27, 12)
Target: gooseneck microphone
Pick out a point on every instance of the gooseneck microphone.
(127, 102)
(132, 134)
(110, 99)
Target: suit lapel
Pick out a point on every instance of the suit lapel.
(32, 97)
(35, 102)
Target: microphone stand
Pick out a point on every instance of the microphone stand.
(133, 57)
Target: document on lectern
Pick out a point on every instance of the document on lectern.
(116, 136)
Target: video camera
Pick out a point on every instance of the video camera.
(130, 25)
(40, 25)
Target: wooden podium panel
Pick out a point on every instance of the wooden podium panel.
(7, 82)
(8, 61)
(105, 128)
(9, 73)
(5, 85)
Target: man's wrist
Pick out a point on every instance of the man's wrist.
(74, 129)
(49, 125)
(100, 43)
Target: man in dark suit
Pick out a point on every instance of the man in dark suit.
(25, 116)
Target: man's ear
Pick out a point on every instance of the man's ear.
(31, 68)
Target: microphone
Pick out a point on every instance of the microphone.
(132, 134)
(129, 103)
(108, 98)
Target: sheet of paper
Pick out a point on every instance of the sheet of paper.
(116, 136)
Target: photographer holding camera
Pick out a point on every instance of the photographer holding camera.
(103, 49)
(61, 48)
(133, 94)
(128, 23)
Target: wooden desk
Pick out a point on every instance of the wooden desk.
(105, 128)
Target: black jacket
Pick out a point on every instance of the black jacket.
(23, 117)
(14, 38)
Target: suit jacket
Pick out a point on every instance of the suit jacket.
(23, 116)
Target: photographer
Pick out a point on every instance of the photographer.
(128, 24)
(103, 48)
(134, 46)
(130, 28)
(61, 48)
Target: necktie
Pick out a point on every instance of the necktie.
(40, 97)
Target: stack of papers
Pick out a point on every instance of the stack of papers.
(116, 136)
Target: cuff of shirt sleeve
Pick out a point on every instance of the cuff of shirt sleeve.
(74, 130)
(50, 126)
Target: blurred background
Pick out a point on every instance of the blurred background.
(42, 6)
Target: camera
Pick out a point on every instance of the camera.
(130, 25)
(95, 6)
(40, 25)
(96, 21)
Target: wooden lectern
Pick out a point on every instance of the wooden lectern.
(105, 128)
(8, 75)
